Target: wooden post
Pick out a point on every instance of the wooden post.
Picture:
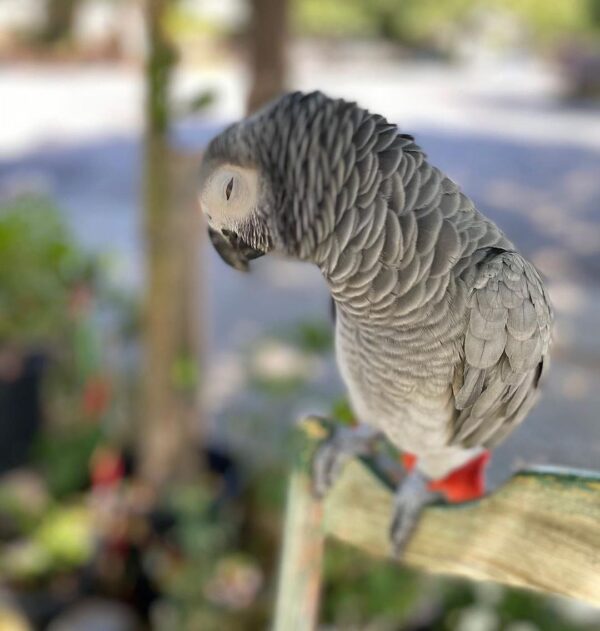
(59, 20)
(167, 438)
(297, 604)
(267, 51)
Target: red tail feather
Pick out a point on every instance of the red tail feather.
(461, 485)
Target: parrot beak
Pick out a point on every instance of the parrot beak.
(233, 250)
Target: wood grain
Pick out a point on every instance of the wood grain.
(300, 572)
(541, 530)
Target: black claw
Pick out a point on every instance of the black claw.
(327, 464)
(411, 498)
(401, 530)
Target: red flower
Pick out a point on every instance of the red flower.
(106, 467)
(96, 396)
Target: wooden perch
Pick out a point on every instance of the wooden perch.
(541, 531)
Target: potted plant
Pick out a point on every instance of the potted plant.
(43, 275)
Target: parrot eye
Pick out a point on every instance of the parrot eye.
(229, 189)
(229, 194)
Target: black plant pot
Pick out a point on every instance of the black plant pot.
(21, 414)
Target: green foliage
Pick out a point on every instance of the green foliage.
(59, 21)
(196, 584)
(549, 20)
(278, 386)
(198, 102)
(284, 364)
(313, 336)
(60, 540)
(310, 336)
(593, 10)
(17, 512)
(416, 22)
(182, 23)
(342, 411)
(64, 456)
(25, 562)
(333, 18)
(40, 264)
(200, 531)
(409, 21)
(161, 58)
(185, 373)
(65, 535)
(420, 23)
(361, 591)
(517, 605)
(269, 488)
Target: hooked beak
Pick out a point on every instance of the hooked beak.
(233, 250)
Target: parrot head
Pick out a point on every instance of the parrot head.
(229, 199)
(267, 182)
(236, 194)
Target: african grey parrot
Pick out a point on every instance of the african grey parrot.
(442, 328)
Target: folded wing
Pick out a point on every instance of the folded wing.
(505, 351)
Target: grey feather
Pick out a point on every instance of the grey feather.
(471, 388)
(428, 231)
(393, 248)
(446, 251)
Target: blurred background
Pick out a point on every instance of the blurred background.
(147, 391)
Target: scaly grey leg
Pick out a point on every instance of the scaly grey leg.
(412, 496)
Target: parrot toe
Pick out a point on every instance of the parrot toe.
(331, 455)
(327, 465)
(412, 496)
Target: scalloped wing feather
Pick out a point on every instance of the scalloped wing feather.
(505, 349)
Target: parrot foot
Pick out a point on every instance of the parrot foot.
(416, 491)
(333, 453)
(412, 496)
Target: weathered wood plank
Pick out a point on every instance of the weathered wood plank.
(299, 584)
(541, 530)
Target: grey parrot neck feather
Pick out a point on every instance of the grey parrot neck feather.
(347, 191)
(361, 201)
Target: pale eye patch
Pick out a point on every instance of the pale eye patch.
(230, 194)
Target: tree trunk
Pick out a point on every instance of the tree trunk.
(167, 437)
(59, 20)
(267, 49)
